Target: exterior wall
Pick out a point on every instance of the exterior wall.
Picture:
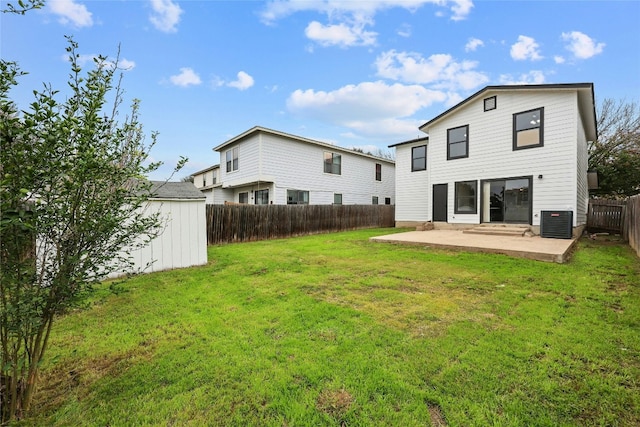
(248, 162)
(491, 154)
(183, 242)
(207, 178)
(413, 189)
(286, 164)
(582, 185)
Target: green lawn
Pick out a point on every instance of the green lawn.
(335, 330)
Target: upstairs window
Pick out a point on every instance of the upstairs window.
(458, 142)
(490, 103)
(419, 158)
(378, 172)
(204, 180)
(232, 160)
(332, 163)
(528, 129)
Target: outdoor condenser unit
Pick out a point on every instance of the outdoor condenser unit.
(556, 224)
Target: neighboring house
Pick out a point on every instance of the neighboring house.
(265, 166)
(208, 182)
(504, 155)
(183, 240)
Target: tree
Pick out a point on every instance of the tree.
(615, 155)
(73, 192)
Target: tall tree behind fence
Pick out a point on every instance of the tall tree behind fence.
(241, 223)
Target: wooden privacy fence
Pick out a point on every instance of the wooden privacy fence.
(616, 216)
(606, 215)
(241, 223)
(632, 228)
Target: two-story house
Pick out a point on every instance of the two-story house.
(504, 155)
(208, 181)
(265, 166)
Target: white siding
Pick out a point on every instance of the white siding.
(413, 189)
(288, 164)
(182, 243)
(491, 155)
(582, 202)
(248, 162)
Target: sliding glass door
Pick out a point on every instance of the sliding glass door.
(507, 200)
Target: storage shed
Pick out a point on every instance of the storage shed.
(183, 241)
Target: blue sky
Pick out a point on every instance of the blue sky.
(360, 74)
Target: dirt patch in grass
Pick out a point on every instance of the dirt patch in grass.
(435, 413)
(335, 403)
(73, 378)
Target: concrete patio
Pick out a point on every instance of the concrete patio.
(531, 247)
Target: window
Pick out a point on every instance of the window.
(243, 197)
(378, 172)
(465, 194)
(490, 103)
(297, 197)
(528, 129)
(458, 142)
(262, 197)
(387, 200)
(232, 160)
(374, 200)
(332, 163)
(337, 199)
(204, 180)
(419, 158)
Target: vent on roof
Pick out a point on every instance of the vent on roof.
(556, 224)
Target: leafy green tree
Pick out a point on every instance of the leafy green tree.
(616, 153)
(73, 192)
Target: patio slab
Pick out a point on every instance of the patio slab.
(531, 247)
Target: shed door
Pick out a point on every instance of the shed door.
(440, 194)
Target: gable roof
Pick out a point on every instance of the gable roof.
(210, 168)
(424, 138)
(259, 129)
(586, 101)
(174, 190)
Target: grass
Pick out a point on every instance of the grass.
(336, 330)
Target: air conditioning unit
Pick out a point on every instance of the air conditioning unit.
(556, 224)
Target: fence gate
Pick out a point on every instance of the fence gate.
(606, 216)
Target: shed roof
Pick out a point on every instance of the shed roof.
(175, 190)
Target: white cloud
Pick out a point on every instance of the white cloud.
(532, 77)
(404, 30)
(558, 59)
(368, 107)
(349, 19)
(440, 70)
(187, 77)
(244, 81)
(473, 44)
(525, 48)
(581, 45)
(89, 59)
(71, 12)
(339, 35)
(165, 16)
